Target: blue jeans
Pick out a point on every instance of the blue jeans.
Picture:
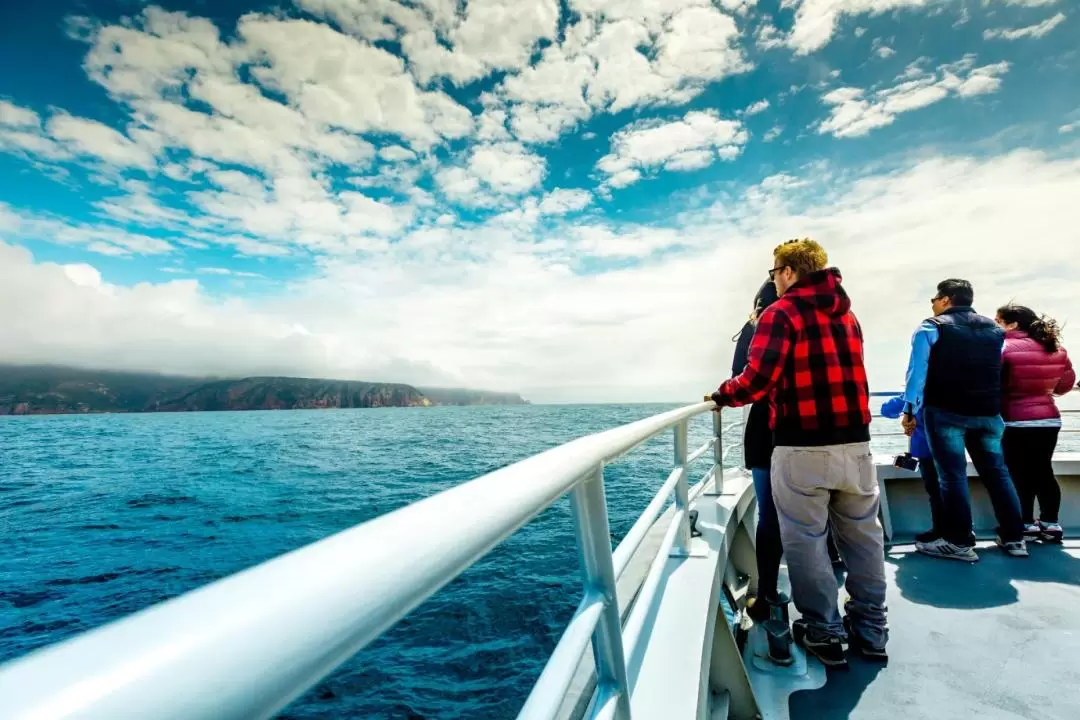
(949, 434)
(769, 547)
(933, 490)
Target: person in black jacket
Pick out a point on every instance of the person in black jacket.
(757, 458)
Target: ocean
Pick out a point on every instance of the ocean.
(103, 515)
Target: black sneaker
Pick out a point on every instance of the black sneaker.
(929, 536)
(863, 648)
(1051, 532)
(829, 650)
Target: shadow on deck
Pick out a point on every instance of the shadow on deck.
(996, 640)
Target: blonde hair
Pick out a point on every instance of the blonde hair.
(802, 255)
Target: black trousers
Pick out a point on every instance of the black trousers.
(1029, 454)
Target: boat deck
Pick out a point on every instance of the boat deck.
(997, 640)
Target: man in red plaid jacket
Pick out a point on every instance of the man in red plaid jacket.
(807, 358)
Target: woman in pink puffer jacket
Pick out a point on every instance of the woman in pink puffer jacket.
(1035, 369)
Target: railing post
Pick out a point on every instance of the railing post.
(589, 507)
(682, 501)
(718, 453)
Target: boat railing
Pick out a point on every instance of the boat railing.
(1063, 411)
(249, 644)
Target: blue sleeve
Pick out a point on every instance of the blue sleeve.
(918, 365)
(892, 407)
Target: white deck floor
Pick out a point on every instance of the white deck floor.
(997, 640)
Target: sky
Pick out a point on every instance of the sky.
(571, 199)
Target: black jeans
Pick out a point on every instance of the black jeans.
(1029, 453)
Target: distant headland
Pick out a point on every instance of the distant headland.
(50, 390)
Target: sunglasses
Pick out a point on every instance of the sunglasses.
(772, 273)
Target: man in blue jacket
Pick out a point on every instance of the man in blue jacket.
(955, 374)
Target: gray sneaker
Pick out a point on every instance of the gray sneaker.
(1017, 548)
(942, 548)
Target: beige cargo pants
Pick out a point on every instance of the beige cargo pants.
(812, 485)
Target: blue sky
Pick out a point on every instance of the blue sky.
(571, 199)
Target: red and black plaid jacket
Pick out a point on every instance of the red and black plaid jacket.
(807, 358)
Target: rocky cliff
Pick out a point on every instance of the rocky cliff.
(39, 390)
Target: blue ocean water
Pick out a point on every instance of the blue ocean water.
(106, 514)
(102, 515)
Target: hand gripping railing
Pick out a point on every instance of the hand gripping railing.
(247, 645)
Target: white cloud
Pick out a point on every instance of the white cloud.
(224, 272)
(773, 133)
(457, 183)
(491, 125)
(396, 153)
(441, 41)
(557, 203)
(1069, 127)
(1032, 31)
(21, 132)
(695, 46)
(88, 137)
(365, 89)
(619, 55)
(487, 315)
(506, 168)
(693, 142)
(768, 37)
(816, 20)
(12, 115)
(884, 52)
(562, 201)
(152, 61)
(103, 239)
(755, 108)
(855, 112)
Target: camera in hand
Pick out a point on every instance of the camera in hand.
(906, 462)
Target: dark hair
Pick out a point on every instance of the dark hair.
(1041, 328)
(959, 292)
(766, 296)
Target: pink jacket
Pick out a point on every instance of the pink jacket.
(1031, 377)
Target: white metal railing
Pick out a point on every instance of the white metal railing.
(247, 645)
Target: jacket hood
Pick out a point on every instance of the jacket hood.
(822, 291)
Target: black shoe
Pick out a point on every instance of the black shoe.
(863, 648)
(829, 650)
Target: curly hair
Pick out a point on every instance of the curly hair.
(802, 255)
(1045, 330)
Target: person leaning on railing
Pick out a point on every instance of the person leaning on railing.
(955, 373)
(1036, 368)
(757, 457)
(807, 357)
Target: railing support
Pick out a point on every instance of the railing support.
(718, 453)
(598, 574)
(682, 490)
